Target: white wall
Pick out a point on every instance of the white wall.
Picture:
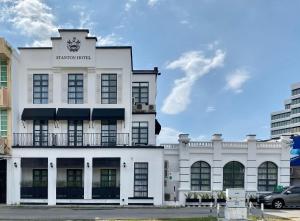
(217, 153)
(154, 157)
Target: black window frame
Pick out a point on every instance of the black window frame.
(39, 177)
(109, 134)
(108, 177)
(138, 93)
(141, 173)
(75, 133)
(140, 134)
(40, 82)
(75, 88)
(40, 133)
(109, 85)
(198, 180)
(74, 174)
(233, 175)
(263, 176)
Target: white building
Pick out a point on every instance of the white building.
(287, 121)
(211, 167)
(84, 127)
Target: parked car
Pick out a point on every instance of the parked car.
(289, 196)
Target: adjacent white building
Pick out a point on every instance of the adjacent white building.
(84, 126)
(214, 166)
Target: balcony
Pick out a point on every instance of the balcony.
(70, 140)
(4, 97)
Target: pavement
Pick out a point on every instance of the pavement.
(104, 213)
(292, 214)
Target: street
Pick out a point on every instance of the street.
(99, 213)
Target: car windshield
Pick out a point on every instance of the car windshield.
(280, 189)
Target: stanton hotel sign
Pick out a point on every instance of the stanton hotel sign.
(73, 57)
(73, 46)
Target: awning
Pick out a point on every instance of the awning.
(157, 127)
(38, 114)
(73, 114)
(108, 114)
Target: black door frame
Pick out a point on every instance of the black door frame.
(3, 180)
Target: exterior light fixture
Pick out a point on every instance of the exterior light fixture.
(51, 165)
(88, 164)
(124, 164)
(15, 164)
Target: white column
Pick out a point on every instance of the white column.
(126, 179)
(184, 167)
(52, 175)
(251, 166)
(13, 181)
(284, 167)
(217, 166)
(88, 177)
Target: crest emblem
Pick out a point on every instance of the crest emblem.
(73, 45)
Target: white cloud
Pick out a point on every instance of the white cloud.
(210, 109)
(151, 3)
(111, 39)
(168, 135)
(128, 4)
(184, 22)
(32, 18)
(194, 64)
(236, 80)
(213, 45)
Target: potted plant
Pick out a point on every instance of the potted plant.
(206, 198)
(191, 197)
(221, 197)
(253, 198)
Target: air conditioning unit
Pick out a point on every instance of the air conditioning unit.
(151, 108)
(140, 107)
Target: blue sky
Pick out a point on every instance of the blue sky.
(225, 64)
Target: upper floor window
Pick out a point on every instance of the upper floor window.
(75, 88)
(296, 91)
(3, 123)
(108, 88)
(3, 73)
(140, 92)
(140, 133)
(40, 88)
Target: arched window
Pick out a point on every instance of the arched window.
(267, 176)
(233, 175)
(200, 176)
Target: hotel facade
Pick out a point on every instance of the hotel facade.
(84, 126)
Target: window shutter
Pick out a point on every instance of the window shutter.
(119, 89)
(64, 88)
(85, 88)
(50, 89)
(29, 88)
(98, 88)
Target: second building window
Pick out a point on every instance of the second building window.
(75, 88)
(108, 88)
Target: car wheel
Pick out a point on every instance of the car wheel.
(278, 204)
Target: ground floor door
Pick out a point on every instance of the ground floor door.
(2, 181)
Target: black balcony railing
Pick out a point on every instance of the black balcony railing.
(34, 192)
(69, 192)
(70, 139)
(106, 193)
